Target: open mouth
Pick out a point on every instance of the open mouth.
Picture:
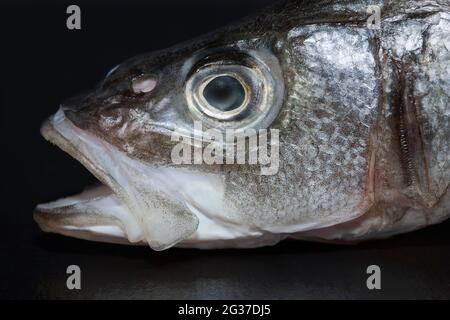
(97, 213)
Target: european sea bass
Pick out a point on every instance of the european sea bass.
(364, 126)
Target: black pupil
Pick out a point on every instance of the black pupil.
(224, 93)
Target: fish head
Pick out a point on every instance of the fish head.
(123, 132)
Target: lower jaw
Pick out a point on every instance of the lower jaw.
(87, 216)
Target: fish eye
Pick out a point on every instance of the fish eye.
(225, 93)
(234, 89)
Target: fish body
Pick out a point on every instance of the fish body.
(361, 113)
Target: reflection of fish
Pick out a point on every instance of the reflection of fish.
(363, 117)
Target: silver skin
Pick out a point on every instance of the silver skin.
(364, 120)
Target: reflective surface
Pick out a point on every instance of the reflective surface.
(412, 266)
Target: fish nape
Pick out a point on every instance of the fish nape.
(302, 121)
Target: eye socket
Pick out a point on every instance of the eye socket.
(224, 93)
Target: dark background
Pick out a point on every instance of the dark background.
(42, 64)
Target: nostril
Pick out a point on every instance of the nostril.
(144, 83)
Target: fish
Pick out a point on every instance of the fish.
(355, 94)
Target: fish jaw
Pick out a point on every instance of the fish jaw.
(85, 215)
(91, 215)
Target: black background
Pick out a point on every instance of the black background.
(42, 64)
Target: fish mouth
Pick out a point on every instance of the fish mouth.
(97, 213)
